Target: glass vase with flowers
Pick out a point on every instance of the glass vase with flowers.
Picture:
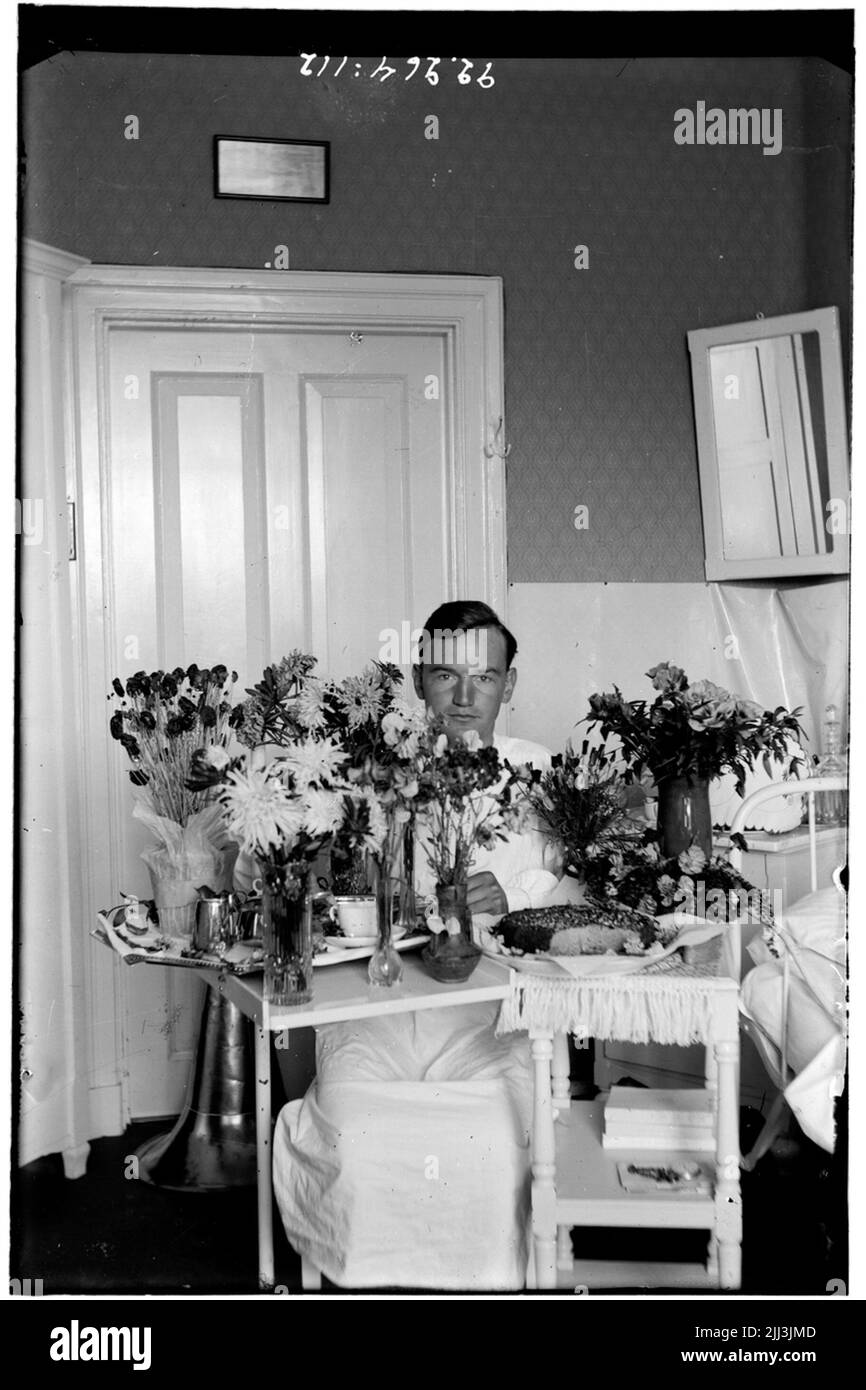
(466, 799)
(380, 736)
(282, 800)
(691, 733)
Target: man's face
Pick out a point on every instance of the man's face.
(471, 684)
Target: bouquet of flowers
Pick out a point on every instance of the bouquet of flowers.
(640, 876)
(469, 800)
(327, 761)
(162, 719)
(580, 801)
(281, 806)
(380, 735)
(284, 707)
(695, 730)
(281, 809)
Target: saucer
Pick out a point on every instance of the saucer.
(359, 943)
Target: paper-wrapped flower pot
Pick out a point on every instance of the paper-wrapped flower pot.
(176, 884)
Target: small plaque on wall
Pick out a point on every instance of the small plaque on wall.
(285, 171)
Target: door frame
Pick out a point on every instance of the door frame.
(466, 310)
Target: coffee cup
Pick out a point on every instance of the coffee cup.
(355, 914)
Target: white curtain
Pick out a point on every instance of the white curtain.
(54, 1066)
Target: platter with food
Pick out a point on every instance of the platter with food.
(589, 938)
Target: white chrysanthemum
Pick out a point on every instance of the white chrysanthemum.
(323, 811)
(313, 761)
(361, 697)
(309, 706)
(217, 756)
(259, 813)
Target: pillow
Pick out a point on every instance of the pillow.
(810, 1022)
(817, 923)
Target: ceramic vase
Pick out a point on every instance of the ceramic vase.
(684, 815)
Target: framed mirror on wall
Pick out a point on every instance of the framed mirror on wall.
(772, 446)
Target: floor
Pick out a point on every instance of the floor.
(108, 1234)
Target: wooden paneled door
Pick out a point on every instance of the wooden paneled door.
(308, 465)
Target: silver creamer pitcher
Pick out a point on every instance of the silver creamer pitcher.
(216, 924)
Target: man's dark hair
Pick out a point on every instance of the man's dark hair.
(465, 615)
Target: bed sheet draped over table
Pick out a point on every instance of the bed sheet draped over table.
(407, 1163)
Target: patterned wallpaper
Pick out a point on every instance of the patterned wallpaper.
(557, 154)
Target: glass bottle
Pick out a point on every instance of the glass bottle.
(831, 808)
(385, 968)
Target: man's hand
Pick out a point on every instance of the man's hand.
(485, 894)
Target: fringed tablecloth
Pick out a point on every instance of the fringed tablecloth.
(668, 1003)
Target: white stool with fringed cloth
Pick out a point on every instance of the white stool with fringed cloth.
(575, 1181)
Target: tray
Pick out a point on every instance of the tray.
(243, 959)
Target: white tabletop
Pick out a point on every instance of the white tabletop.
(344, 992)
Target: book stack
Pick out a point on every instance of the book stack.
(635, 1118)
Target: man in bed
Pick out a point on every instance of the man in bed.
(407, 1162)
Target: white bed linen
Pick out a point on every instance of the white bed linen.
(407, 1162)
(812, 932)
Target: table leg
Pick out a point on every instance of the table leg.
(560, 1071)
(564, 1252)
(560, 1085)
(728, 1202)
(543, 1164)
(264, 1176)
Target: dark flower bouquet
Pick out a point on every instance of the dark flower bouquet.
(162, 719)
(694, 730)
(580, 801)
